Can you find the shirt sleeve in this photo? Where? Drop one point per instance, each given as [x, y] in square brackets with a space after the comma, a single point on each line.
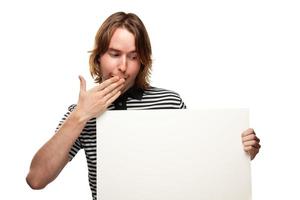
[77, 144]
[182, 104]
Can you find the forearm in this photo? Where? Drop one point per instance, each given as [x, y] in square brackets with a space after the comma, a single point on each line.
[53, 156]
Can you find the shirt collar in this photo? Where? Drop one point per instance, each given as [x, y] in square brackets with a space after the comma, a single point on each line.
[134, 92]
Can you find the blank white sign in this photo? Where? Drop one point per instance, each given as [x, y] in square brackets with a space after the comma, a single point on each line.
[172, 155]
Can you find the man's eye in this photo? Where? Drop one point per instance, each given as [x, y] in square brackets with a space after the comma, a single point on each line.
[113, 54]
[132, 57]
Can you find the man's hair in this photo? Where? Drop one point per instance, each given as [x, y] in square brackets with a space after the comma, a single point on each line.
[134, 25]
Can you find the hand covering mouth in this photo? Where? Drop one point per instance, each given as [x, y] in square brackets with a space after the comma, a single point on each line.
[120, 76]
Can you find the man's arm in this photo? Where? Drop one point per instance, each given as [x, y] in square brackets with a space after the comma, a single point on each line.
[54, 155]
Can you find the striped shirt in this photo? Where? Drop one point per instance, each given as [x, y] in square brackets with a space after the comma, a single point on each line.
[133, 99]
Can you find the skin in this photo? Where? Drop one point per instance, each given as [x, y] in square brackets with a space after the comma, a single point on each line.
[250, 142]
[120, 66]
[121, 58]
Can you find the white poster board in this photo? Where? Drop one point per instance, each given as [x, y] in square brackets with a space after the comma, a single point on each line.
[172, 155]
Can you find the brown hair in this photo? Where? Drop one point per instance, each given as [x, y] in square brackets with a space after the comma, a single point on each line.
[133, 24]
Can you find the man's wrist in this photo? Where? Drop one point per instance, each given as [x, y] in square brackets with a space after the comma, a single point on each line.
[77, 117]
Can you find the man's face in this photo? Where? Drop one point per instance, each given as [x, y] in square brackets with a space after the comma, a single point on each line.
[121, 58]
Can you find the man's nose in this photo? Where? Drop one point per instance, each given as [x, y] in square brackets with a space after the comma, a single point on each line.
[123, 64]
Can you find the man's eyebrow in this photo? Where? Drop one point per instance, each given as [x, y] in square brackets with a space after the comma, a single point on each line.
[117, 50]
[113, 49]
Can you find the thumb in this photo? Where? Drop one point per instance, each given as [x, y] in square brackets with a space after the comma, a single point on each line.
[82, 84]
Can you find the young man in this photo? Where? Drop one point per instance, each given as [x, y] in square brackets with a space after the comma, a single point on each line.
[120, 63]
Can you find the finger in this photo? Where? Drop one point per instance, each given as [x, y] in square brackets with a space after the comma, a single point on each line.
[248, 132]
[107, 82]
[256, 145]
[257, 139]
[250, 137]
[82, 84]
[250, 143]
[251, 149]
[113, 92]
[248, 147]
[111, 87]
[113, 98]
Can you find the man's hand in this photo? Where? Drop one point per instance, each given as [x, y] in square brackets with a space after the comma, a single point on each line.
[251, 142]
[93, 102]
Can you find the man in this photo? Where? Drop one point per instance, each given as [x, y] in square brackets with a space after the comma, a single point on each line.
[120, 63]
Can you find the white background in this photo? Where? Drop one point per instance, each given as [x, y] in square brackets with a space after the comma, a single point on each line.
[213, 53]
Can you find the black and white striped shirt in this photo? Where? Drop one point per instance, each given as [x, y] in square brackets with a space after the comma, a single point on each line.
[133, 99]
